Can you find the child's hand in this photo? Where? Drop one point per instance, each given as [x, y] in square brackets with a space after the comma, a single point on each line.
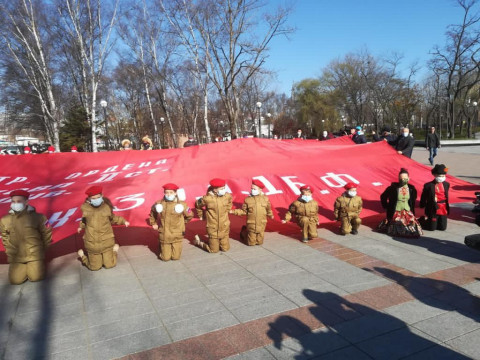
[155, 227]
[284, 221]
[79, 230]
[127, 224]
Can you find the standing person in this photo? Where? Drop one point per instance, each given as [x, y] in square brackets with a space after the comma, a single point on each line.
[147, 143]
[435, 200]
[305, 210]
[97, 221]
[299, 135]
[169, 216]
[257, 208]
[217, 204]
[26, 236]
[432, 143]
[405, 143]
[399, 201]
[347, 209]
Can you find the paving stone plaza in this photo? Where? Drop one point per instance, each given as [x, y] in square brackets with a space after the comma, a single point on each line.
[367, 296]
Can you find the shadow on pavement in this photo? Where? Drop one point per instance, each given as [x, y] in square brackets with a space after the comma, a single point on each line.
[373, 334]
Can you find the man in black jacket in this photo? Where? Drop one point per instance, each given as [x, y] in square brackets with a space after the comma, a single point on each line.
[405, 143]
[432, 143]
[435, 200]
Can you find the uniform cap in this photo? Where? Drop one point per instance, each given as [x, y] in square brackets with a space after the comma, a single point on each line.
[94, 190]
[23, 193]
[258, 183]
[358, 128]
[439, 169]
[349, 186]
[170, 186]
[216, 183]
[306, 187]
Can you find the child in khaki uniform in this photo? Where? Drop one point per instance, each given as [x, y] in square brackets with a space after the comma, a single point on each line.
[169, 217]
[99, 240]
[305, 210]
[347, 209]
[257, 208]
[25, 235]
[217, 204]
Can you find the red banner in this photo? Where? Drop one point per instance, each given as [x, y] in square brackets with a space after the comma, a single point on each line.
[133, 180]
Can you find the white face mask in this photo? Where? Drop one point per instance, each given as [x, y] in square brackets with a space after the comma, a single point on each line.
[325, 134]
[405, 134]
[169, 197]
[306, 198]
[17, 207]
[255, 192]
[352, 193]
[440, 179]
[221, 192]
[96, 202]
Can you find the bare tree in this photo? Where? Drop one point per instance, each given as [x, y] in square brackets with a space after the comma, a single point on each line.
[24, 35]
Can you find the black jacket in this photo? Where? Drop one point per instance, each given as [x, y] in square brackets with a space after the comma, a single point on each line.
[390, 196]
[391, 139]
[405, 145]
[432, 140]
[360, 139]
[427, 200]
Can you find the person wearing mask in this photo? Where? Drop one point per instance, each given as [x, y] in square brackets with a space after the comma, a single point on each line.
[432, 143]
[326, 136]
[300, 135]
[399, 201]
[99, 240]
[216, 204]
[168, 216]
[126, 145]
[405, 143]
[305, 210]
[26, 235]
[347, 210]
[434, 200]
[257, 208]
[359, 136]
[147, 143]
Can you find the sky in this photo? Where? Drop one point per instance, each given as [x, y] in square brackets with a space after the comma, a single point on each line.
[330, 29]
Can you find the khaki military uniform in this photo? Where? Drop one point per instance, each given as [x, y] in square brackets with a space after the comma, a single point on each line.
[257, 208]
[218, 222]
[171, 227]
[25, 236]
[306, 214]
[99, 238]
[347, 210]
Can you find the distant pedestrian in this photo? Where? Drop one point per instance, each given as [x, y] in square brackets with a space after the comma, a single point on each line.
[435, 200]
[432, 143]
[405, 143]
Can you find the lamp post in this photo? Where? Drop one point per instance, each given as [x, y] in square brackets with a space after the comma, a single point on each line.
[259, 105]
[162, 121]
[104, 104]
[269, 116]
[323, 125]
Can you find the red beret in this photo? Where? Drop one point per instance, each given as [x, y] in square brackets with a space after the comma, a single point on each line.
[23, 193]
[26, 148]
[350, 185]
[217, 183]
[170, 186]
[74, 147]
[258, 183]
[306, 187]
[94, 190]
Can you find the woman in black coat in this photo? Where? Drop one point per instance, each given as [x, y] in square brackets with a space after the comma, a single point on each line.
[399, 201]
[435, 200]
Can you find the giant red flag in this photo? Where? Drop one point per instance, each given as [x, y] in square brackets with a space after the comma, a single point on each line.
[133, 180]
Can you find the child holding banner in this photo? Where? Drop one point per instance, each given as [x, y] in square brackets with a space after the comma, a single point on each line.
[217, 204]
[25, 235]
[169, 216]
[305, 210]
[257, 208]
[99, 240]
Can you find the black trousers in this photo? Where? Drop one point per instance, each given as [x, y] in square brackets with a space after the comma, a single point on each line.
[438, 222]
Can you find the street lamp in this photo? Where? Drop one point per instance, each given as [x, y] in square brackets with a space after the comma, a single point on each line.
[259, 105]
[269, 122]
[103, 104]
[162, 121]
[323, 125]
